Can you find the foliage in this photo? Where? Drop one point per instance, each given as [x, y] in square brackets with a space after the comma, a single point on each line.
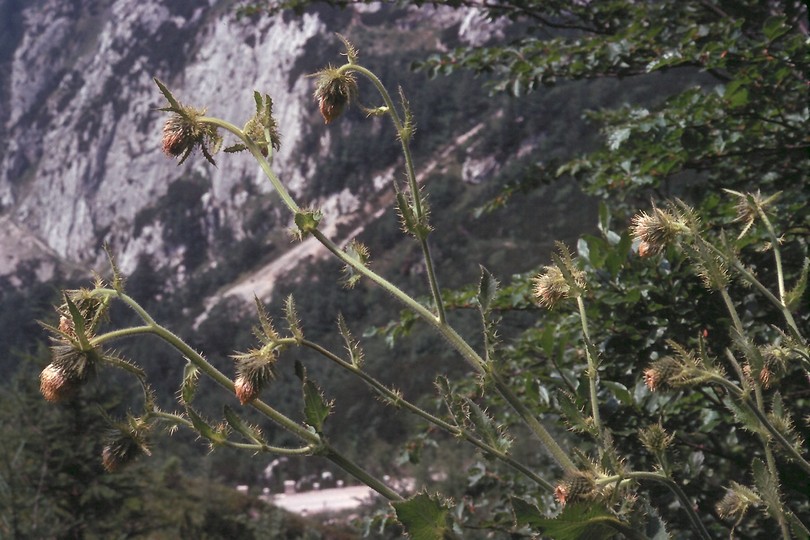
[674, 350]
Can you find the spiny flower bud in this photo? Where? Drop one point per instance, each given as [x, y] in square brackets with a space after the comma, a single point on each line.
[736, 502]
[125, 444]
[254, 369]
[655, 231]
[335, 89]
[655, 438]
[575, 487]
[663, 373]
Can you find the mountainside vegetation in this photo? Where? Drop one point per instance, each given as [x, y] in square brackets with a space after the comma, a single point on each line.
[646, 377]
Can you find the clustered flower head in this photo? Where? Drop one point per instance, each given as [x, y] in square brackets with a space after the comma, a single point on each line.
[750, 207]
[656, 230]
[335, 89]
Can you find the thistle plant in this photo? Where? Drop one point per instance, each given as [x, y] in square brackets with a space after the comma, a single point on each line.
[596, 490]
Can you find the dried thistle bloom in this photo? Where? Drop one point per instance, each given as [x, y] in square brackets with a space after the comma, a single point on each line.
[736, 502]
[245, 390]
[663, 373]
[334, 91]
[749, 207]
[575, 487]
[656, 230]
[53, 384]
[551, 287]
[184, 131]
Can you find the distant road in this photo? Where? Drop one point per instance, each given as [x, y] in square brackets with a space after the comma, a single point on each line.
[324, 500]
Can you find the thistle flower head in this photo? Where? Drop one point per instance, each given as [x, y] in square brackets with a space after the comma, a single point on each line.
[736, 502]
[53, 384]
[335, 89]
[655, 438]
[184, 131]
[125, 443]
[663, 373]
[254, 369]
[656, 230]
[550, 287]
[575, 487]
[750, 207]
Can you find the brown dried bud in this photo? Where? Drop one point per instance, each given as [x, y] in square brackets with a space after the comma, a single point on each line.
[125, 445]
[245, 390]
[54, 384]
[335, 90]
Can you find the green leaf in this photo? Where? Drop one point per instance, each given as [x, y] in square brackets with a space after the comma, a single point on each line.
[767, 488]
[486, 289]
[78, 324]
[167, 94]
[191, 375]
[249, 432]
[424, 517]
[526, 514]
[580, 521]
[316, 407]
[620, 391]
[774, 27]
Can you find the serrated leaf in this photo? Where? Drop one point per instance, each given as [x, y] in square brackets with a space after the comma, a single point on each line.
[486, 427]
[249, 432]
[794, 296]
[424, 517]
[352, 345]
[767, 488]
[78, 324]
[235, 148]
[167, 94]
[580, 522]
[486, 289]
[257, 97]
[526, 514]
[203, 428]
[189, 387]
[316, 408]
[572, 412]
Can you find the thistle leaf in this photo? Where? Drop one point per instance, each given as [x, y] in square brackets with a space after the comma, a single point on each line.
[425, 517]
[487, 288]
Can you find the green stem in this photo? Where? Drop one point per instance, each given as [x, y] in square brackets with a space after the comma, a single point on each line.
[780, 276]
[593, 374]
[398, 401]
[257, 154]
[673, 486]
[316, 442]
[751, 278]
[743, 397]
[460, 345]
[760, 405]
[412, 183]
[349, 466]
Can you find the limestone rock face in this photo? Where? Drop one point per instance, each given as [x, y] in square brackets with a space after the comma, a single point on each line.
[81, 164]
[81, 157]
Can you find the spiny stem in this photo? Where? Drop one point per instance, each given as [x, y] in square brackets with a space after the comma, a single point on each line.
[593, 374]
[760, 405]
[463, 348]
[412, 183]
[673, 486]
[317, 444]
[257, 154]
[453, 430]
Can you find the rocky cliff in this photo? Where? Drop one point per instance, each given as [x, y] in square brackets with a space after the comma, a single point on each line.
[80, 158]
